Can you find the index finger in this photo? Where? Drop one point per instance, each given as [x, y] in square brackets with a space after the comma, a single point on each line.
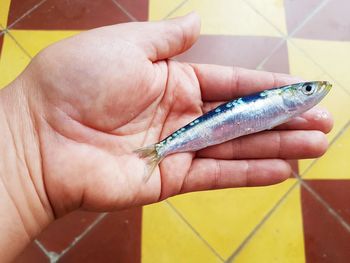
[225, 83]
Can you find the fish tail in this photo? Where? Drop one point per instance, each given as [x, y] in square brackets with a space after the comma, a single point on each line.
[152, 158]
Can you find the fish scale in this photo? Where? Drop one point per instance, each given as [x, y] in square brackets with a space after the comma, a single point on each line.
[250, 114]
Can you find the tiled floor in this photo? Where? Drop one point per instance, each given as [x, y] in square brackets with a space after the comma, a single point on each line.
[296, 221]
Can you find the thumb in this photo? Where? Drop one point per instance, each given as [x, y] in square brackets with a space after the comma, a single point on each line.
[168, 38]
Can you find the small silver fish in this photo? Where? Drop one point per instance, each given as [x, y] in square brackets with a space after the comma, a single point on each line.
[239, 117]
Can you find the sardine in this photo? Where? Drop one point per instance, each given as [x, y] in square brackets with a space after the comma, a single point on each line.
[251, 114]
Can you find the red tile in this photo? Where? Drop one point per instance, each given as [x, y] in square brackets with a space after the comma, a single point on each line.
[332, 22]
[32, 254]
[326, 240]
[137, 8]
[71, 15]
[298, 11]
[1, 41]
[62, 232]
[243, 51]
[117, 238]
[19, 8]
[336, 193]
[295, 167]
[278, 61]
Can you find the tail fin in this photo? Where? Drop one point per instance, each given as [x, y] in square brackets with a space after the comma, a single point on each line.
[150, 155]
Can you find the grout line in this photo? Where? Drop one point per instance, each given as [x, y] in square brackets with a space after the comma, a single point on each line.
[78, 238]
[27, 13]
[261, 223]
[52, 256]
[279, 44]
[2, 30]
[121, 7]
[194, 230]
[42, 247]
[18, 44]
[309, 17]
[175, 9]
[269, 56]
[263, 17]
[318, 65]
[286, 37]
[329, 208]
[336, 137]
[176, 211]
[278, 203]
[318, 196]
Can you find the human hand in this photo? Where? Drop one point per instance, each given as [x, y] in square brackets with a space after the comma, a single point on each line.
[96, 97]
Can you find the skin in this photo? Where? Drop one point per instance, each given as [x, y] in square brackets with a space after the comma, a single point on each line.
[71, 120]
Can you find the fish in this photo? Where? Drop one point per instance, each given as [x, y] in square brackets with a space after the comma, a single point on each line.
[239, 117]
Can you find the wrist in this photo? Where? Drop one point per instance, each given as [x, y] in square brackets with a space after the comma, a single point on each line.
[25, 208]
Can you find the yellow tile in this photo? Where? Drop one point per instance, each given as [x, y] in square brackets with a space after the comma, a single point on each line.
[300, 65]
[167, 238]
[13, 61]
[4, 10]
[35, 40]
[227, 17]
[159, 9]
[333, 56]
[337, 101]
[224, 218]
[335, 163]
[273, 10]
[304, 165]
[280, 239]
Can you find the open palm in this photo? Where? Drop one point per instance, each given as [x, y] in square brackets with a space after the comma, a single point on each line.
[106, 92]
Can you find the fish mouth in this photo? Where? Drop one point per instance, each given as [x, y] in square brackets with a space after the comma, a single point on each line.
[325, 85]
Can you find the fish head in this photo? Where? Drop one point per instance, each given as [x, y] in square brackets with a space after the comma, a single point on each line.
[302, 96]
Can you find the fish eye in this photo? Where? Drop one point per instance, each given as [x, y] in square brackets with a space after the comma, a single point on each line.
[308, 89]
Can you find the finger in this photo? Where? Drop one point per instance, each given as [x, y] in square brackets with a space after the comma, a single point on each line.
[225, 83]
[315, 119]
[208, 174]
[270, 144]
[168, 38]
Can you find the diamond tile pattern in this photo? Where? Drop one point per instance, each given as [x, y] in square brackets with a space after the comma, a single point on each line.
[282, 223]
[166, 237]
[221, 227]
[335, 163]
[280, 238]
